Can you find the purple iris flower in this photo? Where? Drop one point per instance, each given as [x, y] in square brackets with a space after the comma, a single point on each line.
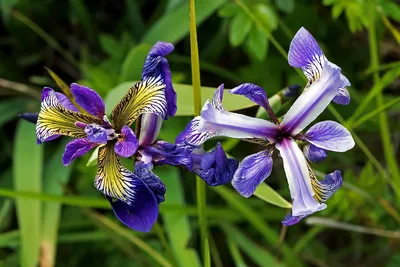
[134, 196]
[308, 193]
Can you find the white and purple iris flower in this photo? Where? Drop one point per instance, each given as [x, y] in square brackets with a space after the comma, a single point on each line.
[134, 196]
[326, 83]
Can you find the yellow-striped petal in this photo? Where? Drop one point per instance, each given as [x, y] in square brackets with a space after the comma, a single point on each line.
[147, 96]
[54, 119]
[113, 179]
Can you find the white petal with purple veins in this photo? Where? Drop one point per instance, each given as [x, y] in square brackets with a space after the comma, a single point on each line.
[330, 135]
[298, 177]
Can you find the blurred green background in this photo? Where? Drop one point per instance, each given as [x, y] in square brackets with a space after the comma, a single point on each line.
[51, 215]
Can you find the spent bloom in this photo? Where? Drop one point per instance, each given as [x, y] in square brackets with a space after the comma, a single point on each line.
[134, 196]
[326, 83]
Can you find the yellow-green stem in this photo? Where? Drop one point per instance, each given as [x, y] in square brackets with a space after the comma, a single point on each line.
[383, 120]
[200, 185]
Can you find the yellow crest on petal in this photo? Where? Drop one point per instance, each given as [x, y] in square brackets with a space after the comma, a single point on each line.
[147, 96]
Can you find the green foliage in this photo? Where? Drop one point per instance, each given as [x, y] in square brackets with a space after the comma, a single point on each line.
[52, 213]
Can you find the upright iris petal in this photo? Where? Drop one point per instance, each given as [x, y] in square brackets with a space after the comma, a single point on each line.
[149, 129]
[89, 100]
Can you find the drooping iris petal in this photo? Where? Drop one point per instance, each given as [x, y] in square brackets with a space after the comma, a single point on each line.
[76, 148]
[305, 53]
[298, 176]
[342, 97]
[164, 153]
[54, 119]
[127, 144]
[65, 102]
[151, 180]
[330, 135]
[191, 133]
[314, 154]
[149, 128]
[252, 171]
[156, 64]
[146, 96]
[253, 92]
[290, 220]
[89, 100]
[215, 168]
[113, 179]
[224, 123]
[313, 101]
[96, 133]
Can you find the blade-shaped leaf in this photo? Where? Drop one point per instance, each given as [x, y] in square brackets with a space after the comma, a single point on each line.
[132, 67]
[27, 171]
[266, 193]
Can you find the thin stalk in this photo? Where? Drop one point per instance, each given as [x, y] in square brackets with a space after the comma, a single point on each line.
[200, 185]
[383, 119]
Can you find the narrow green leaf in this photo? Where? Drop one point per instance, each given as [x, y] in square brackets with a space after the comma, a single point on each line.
[132, 67]
[240, 27]
[176, 222]
[266, 193]
[207, 257]
[253, 251]
[173, 28]
[185, 98]
[93, 158]
[55, 179]
[237, 257]
[285, 5]
[27, 171]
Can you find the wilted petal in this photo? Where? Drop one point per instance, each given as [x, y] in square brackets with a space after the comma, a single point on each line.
[313, 100]
[65, 102]
[314, 154]
[252, 171]
[215, 168]
[149, 129]
[330, 135]
[151, 180]
[127, 143]
[298, 176]
[113, 179]
[76, 148]
[342, 97]
[54, 119]
[224, 123]
[157, 65]
[89, 100]
[147, 96]
[305, 53]
[253, 92]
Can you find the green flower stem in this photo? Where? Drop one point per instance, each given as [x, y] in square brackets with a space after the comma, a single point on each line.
[383, 119]
[200, 185]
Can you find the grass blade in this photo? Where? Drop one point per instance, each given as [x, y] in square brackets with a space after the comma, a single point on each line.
[266, 193]
[27, 171]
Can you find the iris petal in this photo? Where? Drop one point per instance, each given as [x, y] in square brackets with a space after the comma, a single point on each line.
[65, 102]
[54, 119]
[342, 97]
[113, 179]
[313, 101]
[253, 92]
[89, 100]
[330, 135]
[149, 129]
[127, 144]
[224, 123]
[298, 176]
[76, 148]
[314, 154]
[147, 96]
[252, 171]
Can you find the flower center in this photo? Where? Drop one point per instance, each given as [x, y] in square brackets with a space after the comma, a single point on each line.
[99, 134]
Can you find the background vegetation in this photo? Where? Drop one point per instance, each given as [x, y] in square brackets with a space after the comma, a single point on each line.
[53, 215]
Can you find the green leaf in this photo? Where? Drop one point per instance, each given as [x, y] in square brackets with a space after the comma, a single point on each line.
[132, 67]
[109, 44]
[56, 177]
[84, 16]
[61, 84]
[10, 108]
[266, 193]
[391, 9]
[285, 5]
[176, 222]
[207, 257]
[228, 10]
[27, 170]
[260, 256]
[240, 27]
[257, 44]
[266, 15]
[93, 158]
[175, 26]
[185, 98]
